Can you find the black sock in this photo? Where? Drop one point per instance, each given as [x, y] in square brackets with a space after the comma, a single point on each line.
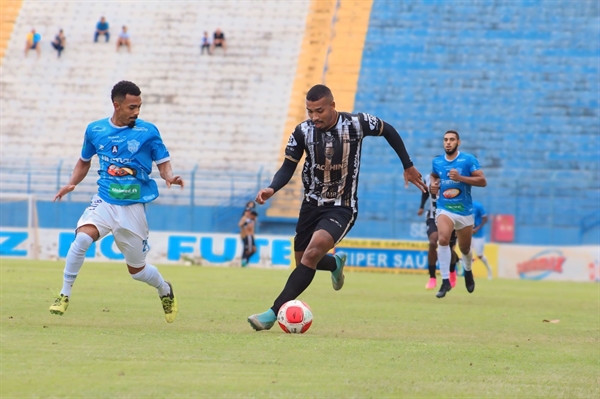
[298, 281]
[453, 261]
[431, 271]
[327, 263]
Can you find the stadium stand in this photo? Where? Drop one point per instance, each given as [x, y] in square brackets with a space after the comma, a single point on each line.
[518, 80]
[221, 113]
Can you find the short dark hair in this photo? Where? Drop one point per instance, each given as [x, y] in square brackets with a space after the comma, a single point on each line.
[122, 89]
[453, 132]
[254, 213]
[318, 92]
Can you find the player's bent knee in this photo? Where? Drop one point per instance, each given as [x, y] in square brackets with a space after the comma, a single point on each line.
[135, 269]
[311, 256]
[81, 243]
[443, 241]
[90, 230]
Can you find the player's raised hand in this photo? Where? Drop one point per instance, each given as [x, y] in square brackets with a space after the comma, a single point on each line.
[175, 180]
[264, 194]
[64, 191]
[414, 176]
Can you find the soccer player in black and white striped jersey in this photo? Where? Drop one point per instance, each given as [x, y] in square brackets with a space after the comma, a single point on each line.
[332, 143]
[432, 236]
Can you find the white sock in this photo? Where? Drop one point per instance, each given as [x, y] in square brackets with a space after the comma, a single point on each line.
[151, 276]
[468, 260]
[75, 258]
[444, 256]
[487, 265]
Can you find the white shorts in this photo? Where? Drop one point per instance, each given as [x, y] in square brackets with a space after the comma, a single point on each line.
[460, 221]
[477, 243]
[127, 223]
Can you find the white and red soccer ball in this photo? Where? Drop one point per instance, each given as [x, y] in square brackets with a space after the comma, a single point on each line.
[294, 317]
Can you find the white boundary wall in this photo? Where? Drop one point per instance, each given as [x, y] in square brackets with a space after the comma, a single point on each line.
[574, 263]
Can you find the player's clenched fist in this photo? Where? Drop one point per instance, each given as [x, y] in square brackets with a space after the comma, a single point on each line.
[454, 175]
[264, 194]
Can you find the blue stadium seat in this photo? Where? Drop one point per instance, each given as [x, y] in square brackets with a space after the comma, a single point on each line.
[518, 80]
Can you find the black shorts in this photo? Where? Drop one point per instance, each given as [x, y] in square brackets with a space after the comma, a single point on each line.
[336, 220]
[248, 242]
[432, 228]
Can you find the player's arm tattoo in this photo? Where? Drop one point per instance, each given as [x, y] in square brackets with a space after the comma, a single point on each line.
[395, 141]
[283, 175]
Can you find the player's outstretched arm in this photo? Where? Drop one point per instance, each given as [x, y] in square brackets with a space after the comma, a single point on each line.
[79, 173]
[281, 178]
[166, 172]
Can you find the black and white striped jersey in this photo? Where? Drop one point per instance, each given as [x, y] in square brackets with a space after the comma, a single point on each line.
[330, 172]
[432, 198]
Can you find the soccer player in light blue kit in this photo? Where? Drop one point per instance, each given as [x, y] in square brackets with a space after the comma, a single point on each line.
[452, 176]
[126, 147]
[478, 241]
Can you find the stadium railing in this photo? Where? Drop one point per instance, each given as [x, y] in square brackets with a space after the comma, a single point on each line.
[203, 187]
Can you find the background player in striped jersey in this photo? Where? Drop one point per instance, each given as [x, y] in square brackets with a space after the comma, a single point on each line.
[478, 240]
[247, 225]
[332, 143]
[452, 176]
[432, 236]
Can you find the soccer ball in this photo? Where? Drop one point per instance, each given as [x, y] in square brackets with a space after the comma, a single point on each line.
[294, 317]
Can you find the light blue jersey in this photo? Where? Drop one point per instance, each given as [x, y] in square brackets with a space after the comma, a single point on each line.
[126, 155]
[455, 196]
[478, 214]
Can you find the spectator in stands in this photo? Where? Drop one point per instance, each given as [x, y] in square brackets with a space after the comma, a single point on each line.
[205, 44]
[59, 42]
[32, 42]
[219, 41]
[124, 39]
[102, 29]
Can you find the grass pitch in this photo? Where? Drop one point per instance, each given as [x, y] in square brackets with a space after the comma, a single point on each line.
[381, 336]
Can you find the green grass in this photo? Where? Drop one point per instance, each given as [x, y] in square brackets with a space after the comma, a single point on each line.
[381, 336]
